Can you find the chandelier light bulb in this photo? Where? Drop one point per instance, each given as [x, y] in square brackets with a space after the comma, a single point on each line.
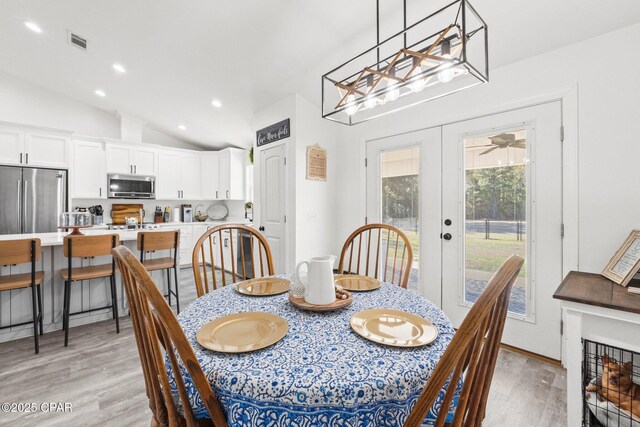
[352, 106]
[447, 74]
[417, 84]
[370, 100]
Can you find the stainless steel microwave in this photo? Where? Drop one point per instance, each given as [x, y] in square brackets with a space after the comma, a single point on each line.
[131, 186]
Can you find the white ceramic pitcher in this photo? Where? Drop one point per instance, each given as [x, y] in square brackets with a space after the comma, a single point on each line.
[318, 285]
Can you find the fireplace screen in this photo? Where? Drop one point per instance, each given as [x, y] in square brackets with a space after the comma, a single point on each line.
[611, 390]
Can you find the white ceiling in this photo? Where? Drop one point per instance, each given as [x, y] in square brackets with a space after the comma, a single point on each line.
[180, 55]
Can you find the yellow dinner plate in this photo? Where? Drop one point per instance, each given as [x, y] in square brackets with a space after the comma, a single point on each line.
[352, 282]
[393, 327]
[265, 286]
[242, 332]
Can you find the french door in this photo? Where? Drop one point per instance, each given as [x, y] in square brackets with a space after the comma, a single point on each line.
[488, 188]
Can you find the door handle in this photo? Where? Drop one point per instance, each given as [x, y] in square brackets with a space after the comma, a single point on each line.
[447, 221]
[135, 168]
[226, 243]
[216, 194]
[227, 194]
[100, 191]
[26, 157]
[24, 203]
[18, 204]
[20, 158]
[446, 236]
[178, 194]
[261, 228]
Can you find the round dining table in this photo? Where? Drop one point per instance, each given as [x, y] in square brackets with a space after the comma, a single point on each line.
[322, 372]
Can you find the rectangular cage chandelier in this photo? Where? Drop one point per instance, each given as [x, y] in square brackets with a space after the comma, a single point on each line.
[443, 53]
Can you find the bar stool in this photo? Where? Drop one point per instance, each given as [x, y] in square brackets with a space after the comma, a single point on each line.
[88, 247]
[21, 252]
[157, 241]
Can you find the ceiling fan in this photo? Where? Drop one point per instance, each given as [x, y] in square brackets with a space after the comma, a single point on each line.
[504, 140]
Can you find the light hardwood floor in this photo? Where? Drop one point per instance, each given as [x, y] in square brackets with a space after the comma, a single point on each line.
[100, 375]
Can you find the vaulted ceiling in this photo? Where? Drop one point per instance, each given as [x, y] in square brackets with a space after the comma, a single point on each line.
[180, 55]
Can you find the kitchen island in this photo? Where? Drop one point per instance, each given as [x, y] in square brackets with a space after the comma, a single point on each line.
[15, 305]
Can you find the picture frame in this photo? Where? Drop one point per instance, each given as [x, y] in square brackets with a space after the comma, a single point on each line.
[625, 263]
[316, 163]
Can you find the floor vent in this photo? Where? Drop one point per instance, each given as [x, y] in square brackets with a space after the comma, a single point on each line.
[77, 41]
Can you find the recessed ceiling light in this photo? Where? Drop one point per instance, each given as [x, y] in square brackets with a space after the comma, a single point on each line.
[216, 103]
[32, 26]
[182, 127]
[100, 93]
[119, 68]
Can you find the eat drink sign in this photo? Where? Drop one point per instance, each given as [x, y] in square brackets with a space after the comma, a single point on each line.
[273, 133]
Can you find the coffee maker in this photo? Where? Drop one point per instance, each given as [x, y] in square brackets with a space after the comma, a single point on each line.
[186, 213]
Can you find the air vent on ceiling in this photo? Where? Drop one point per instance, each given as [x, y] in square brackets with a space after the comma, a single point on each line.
[77, 41]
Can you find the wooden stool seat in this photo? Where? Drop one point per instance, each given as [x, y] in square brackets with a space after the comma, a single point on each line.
[19, 281]
[88, 247]
[86, 273]
[158, 263]
[151, 241]
[14, 252]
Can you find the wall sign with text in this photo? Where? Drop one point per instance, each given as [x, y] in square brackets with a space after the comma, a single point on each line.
[273, 133]
[316, 163]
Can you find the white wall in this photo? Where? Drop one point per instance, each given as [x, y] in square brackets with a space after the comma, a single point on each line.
[609, 125]
[311, 213]
[25, 103]
[315, 200]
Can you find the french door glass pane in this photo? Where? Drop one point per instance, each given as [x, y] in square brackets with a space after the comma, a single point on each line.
[400, 201]
[495, 211]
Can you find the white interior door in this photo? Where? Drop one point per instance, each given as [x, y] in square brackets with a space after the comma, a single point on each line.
[273, 202]
[403, 190]
[502, 192]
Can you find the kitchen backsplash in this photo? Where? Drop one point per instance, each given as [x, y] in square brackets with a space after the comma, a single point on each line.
[235, 207]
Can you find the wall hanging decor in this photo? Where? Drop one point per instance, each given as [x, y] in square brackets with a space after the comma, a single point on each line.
[316, 163]
[440, 54]
[625, 263]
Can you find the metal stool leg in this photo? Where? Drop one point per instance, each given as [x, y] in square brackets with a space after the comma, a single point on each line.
[40, 314]
[34, 304]
[175, 275]
[169, 286]
[67, 303]
[114, 301]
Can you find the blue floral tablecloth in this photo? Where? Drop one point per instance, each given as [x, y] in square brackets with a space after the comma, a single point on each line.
[321, 373]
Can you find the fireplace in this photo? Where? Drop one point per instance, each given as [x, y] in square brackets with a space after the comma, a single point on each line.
[606, 411]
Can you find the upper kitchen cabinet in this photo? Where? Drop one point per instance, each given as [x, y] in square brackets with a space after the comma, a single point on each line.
[129, 159]
[21, 146]
[232, 170]
[190, 176]
[88, 175]
[210, 176]
[178, 176]
[223, 174]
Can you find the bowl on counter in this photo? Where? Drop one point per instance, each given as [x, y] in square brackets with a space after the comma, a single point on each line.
[201, 217]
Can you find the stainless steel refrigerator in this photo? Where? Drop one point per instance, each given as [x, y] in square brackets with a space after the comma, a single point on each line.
[31, 200]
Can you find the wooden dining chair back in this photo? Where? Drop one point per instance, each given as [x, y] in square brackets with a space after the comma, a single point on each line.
[230, 249]
[86, 247]
[149, 241]
[23, 251]
[160, 339]
[378, 250]
[471, 355]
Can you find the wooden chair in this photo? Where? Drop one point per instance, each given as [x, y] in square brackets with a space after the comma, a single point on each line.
[158, 241]
[88, 247]
[379, 241]
[159, 338]
[216, 250]
[472, 352]
[21, 252]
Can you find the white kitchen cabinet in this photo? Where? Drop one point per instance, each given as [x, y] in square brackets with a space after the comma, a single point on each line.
[11, 146]
[210, 180]
[190, 176]
[33, 148]
[229, 250]
[129, 159]
[88, 174]
[144, 161]
[223, 175]
[46, 150]
[186, 244]
[168, 180]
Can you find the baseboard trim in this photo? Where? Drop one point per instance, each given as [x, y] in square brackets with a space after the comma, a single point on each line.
[532, 355]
